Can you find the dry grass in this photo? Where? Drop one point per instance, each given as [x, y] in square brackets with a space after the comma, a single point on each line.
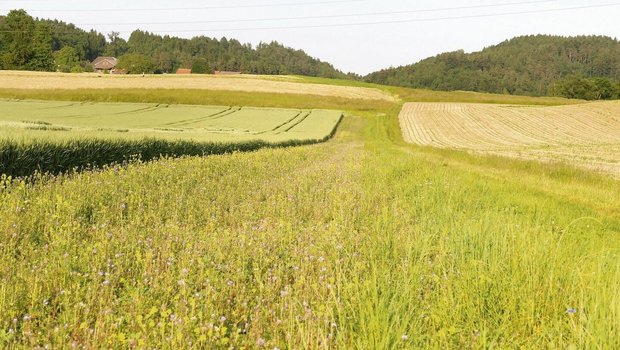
[586, 134]
[424, 95]
[248, 83]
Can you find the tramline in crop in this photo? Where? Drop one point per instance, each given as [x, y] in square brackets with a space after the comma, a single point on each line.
[57, 136]
[204, 123]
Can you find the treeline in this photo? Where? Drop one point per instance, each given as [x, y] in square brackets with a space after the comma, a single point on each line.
[27, 43]
[587, 88]
[584, 67]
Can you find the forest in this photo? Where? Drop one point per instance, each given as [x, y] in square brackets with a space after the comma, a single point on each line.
[28, 43]
[586, 67]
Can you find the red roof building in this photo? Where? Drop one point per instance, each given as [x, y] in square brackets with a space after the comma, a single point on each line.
[103, 64]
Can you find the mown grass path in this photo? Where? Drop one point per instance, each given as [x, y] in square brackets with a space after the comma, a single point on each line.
[362, 242]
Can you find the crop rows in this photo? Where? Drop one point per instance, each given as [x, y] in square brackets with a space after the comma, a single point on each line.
[140, 117]
[59, 136]
[565, 133]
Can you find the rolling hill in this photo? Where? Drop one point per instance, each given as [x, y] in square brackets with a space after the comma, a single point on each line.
[27, 43]
[528, 65]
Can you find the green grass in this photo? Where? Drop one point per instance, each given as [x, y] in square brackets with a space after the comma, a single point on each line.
[193, 122]
[425, 95]
[361, 242]
[196, 97]
[95, 134]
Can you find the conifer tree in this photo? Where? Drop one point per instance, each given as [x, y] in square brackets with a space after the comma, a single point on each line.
[42, 58]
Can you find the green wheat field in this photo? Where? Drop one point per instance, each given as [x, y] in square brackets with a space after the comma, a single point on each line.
[360, 242]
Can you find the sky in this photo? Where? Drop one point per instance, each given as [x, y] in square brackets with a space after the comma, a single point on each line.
[359, 36]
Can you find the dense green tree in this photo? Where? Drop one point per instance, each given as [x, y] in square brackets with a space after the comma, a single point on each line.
[165, 53]
[42, 58]
[17, 36]
[164, 62]
[586, 88]
[136, 63]
[228, 54]
[67, 59]
[604, 89]
[88, 44]
[2, 43]
[116, 46]
[577, 87]
[529, 65]
[201, 66]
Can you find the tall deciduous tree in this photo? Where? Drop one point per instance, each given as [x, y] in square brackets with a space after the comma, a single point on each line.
[67, 59]
[201, 66]
[17, 37]
[116, 46]
[136, 64]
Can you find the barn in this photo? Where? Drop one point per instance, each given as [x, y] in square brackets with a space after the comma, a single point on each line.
[104, 64]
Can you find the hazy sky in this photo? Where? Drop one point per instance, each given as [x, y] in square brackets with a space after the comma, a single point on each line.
[357, 35]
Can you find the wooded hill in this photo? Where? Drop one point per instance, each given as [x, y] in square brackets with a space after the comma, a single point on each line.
[528, 65]
[49, 45]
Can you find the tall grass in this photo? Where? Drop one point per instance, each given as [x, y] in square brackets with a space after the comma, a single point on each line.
[362, 242]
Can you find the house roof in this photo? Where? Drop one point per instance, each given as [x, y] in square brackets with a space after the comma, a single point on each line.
[105, 62]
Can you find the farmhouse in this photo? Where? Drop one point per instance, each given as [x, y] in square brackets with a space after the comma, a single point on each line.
[105, 64]
[184, 71]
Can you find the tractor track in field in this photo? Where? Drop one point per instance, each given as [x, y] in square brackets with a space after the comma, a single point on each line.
[283, 124]
[199, 119]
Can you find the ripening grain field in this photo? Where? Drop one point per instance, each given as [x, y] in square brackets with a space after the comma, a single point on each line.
[22, 120]
[362, 242]
[19, 80]
[57, 136]
[586, 134]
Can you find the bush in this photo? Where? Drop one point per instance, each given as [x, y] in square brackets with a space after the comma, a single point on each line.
[201, 66]
[135, 63]
[587, 88]
[66, 59]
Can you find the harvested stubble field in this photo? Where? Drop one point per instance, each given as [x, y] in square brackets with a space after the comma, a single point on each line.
[586, 134]
[250, 83]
